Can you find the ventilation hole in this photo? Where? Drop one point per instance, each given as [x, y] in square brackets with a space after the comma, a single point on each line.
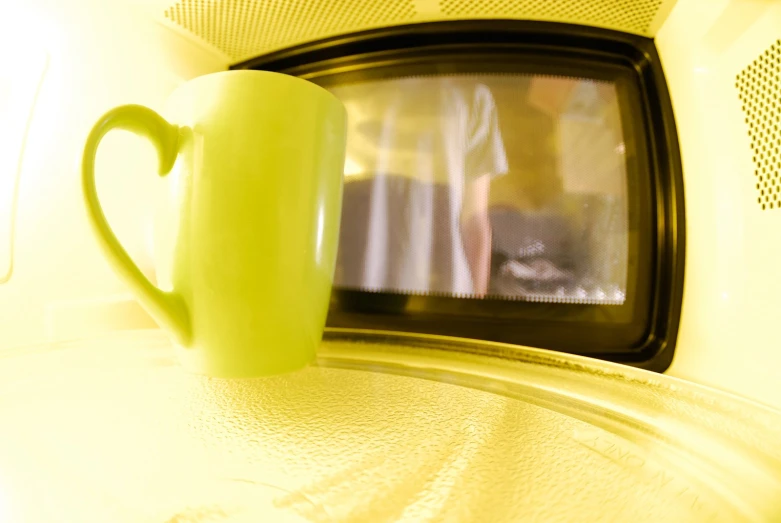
[247, 28]
[627, 15]
[760, 96]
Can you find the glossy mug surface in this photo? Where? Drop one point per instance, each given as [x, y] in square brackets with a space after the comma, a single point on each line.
[246, 243]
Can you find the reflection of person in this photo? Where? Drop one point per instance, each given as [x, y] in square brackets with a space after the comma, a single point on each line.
[476, 232]
[485, 157]
[436, 146]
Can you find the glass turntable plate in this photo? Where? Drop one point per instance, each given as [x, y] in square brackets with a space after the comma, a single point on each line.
[385, 427]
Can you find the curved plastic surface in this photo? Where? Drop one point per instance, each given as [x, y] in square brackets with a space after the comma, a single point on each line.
[384, 428]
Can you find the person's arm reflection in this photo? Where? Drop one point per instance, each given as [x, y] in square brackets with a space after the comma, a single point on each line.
[476, 232]
[485, 159]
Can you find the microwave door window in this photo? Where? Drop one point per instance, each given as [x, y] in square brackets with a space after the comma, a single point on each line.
[501, 186]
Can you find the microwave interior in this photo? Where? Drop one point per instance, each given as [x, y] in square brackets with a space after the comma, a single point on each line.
[532, 192]
[591, 179]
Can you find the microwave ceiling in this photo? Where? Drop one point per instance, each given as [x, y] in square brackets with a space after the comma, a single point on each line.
[242, 29]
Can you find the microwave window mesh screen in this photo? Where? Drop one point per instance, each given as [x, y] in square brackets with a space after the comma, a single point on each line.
[501, 186]
[244, 28]
[627, 15]
[759, 89]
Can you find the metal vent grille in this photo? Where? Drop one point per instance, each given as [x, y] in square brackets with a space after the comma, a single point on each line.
[759, 88]
[244, 29]
[626, 15]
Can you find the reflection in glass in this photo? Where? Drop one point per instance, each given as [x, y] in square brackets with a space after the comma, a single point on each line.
[506, 186]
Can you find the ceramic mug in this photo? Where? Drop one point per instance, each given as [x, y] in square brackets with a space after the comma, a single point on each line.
[246, 251]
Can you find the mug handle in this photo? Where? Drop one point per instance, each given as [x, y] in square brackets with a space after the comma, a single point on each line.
[167, 308]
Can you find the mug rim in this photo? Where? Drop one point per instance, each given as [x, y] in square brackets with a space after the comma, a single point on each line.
[253, 72]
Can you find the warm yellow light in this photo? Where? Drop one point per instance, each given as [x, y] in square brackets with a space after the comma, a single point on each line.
[5, 504]
[20, 76]
[352, 167]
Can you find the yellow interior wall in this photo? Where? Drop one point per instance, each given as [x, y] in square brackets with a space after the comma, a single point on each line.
[729, 325]
[100, 54]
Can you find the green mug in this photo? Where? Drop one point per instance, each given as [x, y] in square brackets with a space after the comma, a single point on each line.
[248, 242]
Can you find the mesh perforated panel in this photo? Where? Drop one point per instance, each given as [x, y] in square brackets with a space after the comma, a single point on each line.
[759, 89]
[247, 28]
[626, 15]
